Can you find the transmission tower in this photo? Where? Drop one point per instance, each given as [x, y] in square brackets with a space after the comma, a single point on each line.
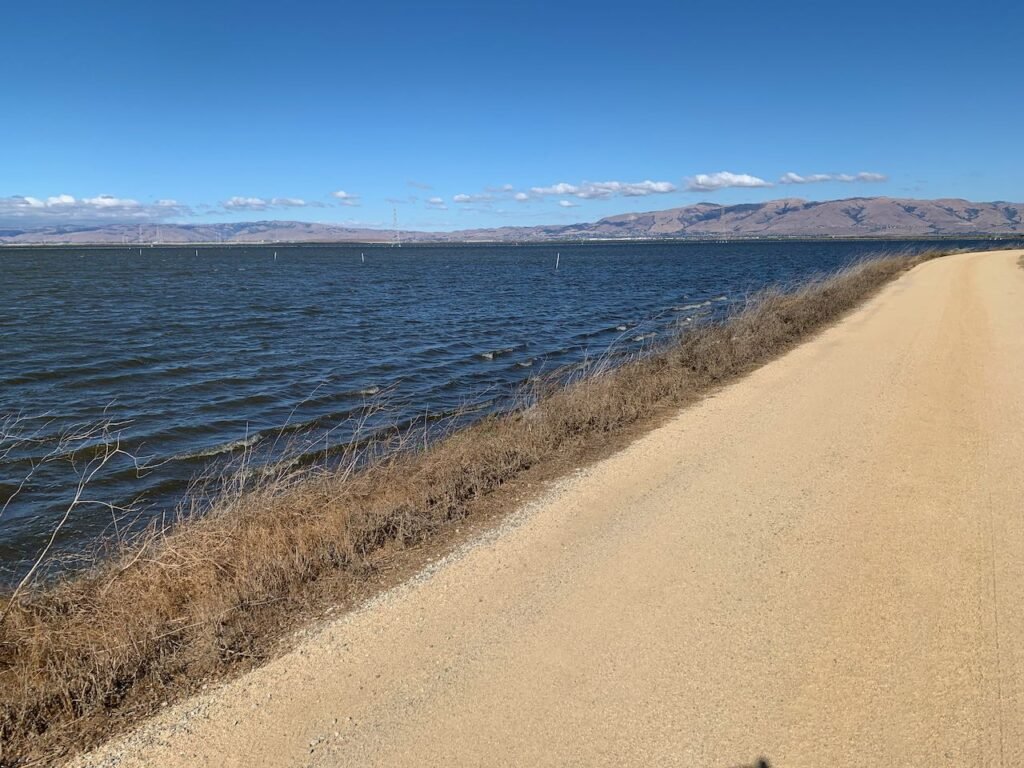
[394, 225]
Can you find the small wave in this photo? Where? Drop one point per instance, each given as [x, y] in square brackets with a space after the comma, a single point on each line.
[327, 399]
[525, 363]
[216, 382]
[620, 328]
[694, 305]
[644, 336]
[23, 378]
[245, 402]
[503, 351]
[166, 372]
[218, 450]
[104, 368]
[597, 333]
[325, 421]
[166, 486]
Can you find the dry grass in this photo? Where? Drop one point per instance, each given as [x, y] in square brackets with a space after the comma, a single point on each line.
[202, 598]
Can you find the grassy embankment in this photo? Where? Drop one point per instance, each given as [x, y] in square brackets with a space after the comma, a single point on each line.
[86, 655]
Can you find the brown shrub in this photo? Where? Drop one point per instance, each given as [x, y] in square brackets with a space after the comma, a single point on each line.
[202, 598]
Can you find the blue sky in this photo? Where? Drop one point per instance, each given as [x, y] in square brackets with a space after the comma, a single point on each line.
[482, 114]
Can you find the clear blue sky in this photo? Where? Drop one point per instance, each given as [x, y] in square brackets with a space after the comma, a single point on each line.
[243, 110]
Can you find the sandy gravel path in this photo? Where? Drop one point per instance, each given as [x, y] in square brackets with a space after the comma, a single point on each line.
[822, 565]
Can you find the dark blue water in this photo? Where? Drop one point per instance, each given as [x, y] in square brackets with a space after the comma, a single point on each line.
[198, 354]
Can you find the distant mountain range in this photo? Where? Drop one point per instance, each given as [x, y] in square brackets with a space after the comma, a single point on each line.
[853, 217]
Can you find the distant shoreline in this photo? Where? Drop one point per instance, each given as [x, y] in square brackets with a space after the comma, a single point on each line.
[880, 218]
[387, 244]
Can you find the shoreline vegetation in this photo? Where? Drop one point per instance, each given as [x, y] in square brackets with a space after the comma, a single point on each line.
[85, 655]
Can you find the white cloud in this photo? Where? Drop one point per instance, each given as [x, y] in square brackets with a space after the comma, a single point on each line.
[793, 178]
[556, 189]
[709, 182]
[589, 190]
[814, 178]
[472, 198]
[522, 197]
[345, 198]
[100, 201]
[436, 202]
[264, 204]
[568, 204]
[246, 204]
[28, 211]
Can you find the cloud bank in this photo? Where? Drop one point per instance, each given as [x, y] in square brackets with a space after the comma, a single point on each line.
[345, 198]
[263, 204]
[602, 190]
[28, 211]
[795, 178]
[484, 198]
[709, 182]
